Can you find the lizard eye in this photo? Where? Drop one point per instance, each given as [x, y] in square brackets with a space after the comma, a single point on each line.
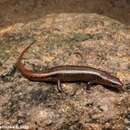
[99, 78]
[114, 85]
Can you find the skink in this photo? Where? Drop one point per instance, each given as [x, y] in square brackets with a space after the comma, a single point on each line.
[70, 73]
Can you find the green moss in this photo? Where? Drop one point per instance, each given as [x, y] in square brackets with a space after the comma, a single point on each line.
[79, 37]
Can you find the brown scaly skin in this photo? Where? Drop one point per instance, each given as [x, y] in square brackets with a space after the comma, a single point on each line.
[70, 73]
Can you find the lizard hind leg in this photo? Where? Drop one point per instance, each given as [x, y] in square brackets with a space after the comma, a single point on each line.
[59, 87]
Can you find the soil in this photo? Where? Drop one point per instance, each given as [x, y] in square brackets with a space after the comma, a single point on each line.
[77, 32]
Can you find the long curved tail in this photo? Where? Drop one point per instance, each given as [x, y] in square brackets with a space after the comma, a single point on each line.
[29, 74]
[21, 56]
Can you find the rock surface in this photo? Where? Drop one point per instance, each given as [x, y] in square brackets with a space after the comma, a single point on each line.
[65, 38]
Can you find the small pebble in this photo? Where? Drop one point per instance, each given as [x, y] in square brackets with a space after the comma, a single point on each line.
[128, 87]
[127, 128]
[128, 116]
